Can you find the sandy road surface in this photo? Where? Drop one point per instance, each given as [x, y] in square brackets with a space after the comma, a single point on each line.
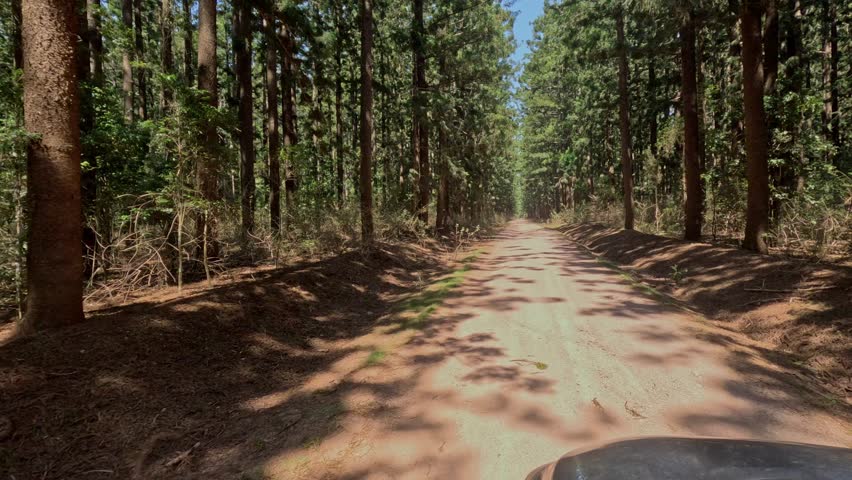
[544, 350]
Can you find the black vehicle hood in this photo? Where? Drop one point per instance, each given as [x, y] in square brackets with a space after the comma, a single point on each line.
[664, 458]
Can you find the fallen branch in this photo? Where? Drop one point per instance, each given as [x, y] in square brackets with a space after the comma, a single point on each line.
[788, 290]
[182, 456]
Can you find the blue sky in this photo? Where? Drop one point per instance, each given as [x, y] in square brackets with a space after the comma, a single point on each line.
[528, 10]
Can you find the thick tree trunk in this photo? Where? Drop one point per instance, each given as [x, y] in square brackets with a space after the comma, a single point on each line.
[52, 111]
[693, 206]
[624, 123]
[167, 58]
[242, 51]
[756, 134]
[139, 53]
[421, 127]
[96, 41]
[273, 145]
[366, 171]
[208, 165]
[126, 60]
[187, 40]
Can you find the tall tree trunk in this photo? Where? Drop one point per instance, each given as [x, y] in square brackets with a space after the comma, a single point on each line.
[384, 110]
[167, 58]
[771, 42]
[127, 59]
[797, 77]
[187, 40]
[96, 41]
[443, 206]
[208, 165]
[316, 119]
[17, 44]
[273, 149]
[366, 183]
[653, 128]
[624, 123]
[288, 107]
[693, 206]
[52, 111]
[140, 57]
[242, 51]
[653, 133]
[756, 134]
[421, 127]
[338, 111]
[831, 62]
[88, 184]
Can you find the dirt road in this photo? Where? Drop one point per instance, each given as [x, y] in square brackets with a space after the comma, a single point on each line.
[543, 350]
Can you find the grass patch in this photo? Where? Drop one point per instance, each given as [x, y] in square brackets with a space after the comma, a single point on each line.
[415, 311]
[636, 282]
[375, 357]
[541, 365]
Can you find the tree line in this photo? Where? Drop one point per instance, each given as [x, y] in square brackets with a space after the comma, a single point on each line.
[722, 113]
[158, 139]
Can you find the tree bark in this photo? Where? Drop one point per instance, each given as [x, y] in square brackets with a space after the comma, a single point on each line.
[242, 51]
[273, 145]
[338, 111]
[167, 58]
[288, 107]
[17, 44]
[443, 206]
[140, 57]
[208, 165]
[771, 41]
[52, 111]
[126, 59]
[88, 181]
[96, 41]
[421, 127]
[831, 63]
[693, 206]
[187, 40]
[624, 123]
[366, 172]
[756, 134]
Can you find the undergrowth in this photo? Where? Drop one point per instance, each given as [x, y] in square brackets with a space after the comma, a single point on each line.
[802, 228]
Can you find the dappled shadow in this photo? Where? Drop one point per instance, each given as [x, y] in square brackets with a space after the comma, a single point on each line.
[799, 305]
[763, 387]
[249, 374]
[127, 391]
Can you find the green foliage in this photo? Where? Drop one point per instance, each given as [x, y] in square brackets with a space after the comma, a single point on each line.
[569, 152]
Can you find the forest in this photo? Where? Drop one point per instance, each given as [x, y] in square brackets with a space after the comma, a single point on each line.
[214, 134]
[280, 239]
[695, 119]
[203, 135]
